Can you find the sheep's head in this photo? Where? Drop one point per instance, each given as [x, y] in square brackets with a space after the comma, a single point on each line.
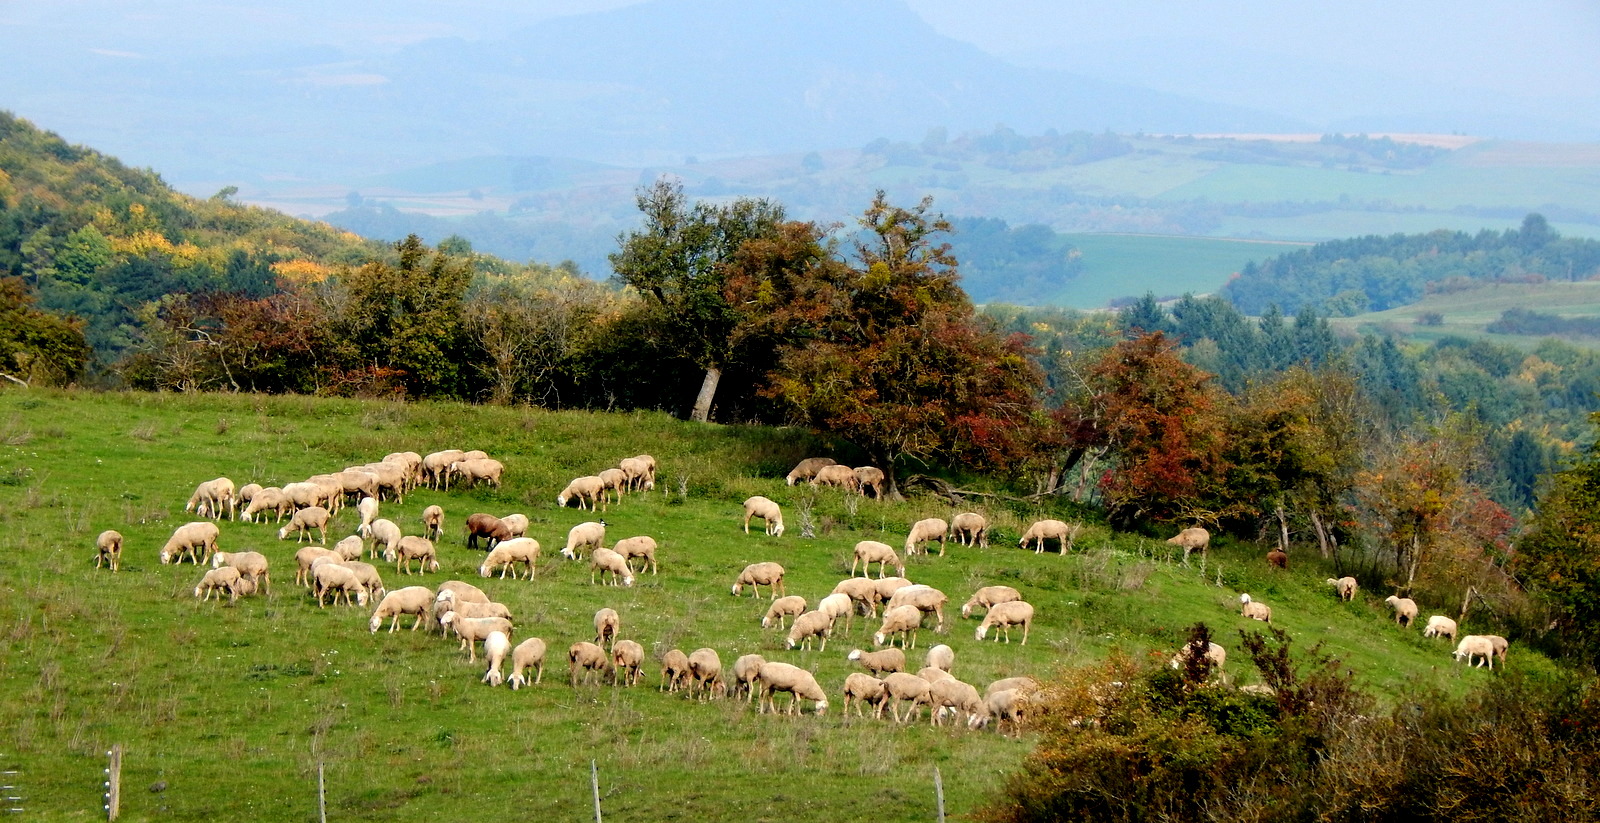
[878, 638]
[855, 654]
[374, 623]
[777, 530]
[283, 533]
[981, 632]
[822, 707]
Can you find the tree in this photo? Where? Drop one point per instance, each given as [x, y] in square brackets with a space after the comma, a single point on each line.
[35, 347]
[1558, 558]
[403, 318]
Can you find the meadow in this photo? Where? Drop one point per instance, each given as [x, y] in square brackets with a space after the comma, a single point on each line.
[1129, 265]
[227, 710]
[1467, 312]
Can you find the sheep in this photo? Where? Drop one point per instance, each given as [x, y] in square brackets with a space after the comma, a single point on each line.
[791, 606]
[468, 609]
[433, 523]
[373, 480]
[583, 489]
[745, 670]
[410, 464]
[674, 670]
[1405, 609]
[836, 606]
[871, 551]
[901, 686]
[705, 674]
[588, 657]
[415, 548]
[843, 477]
[474, 470]
[1006, 615]
[807, 469]
[350, 548]
[1278, 559]
[606, 560]
[367, 507]
[303, 521]
[333, 577]
[864, 688]
[886, 587]
[590, 533]
[487, 526]
[959, 697]
[516, 525]
[627, 656]
[807, 626]
[901, 620]
[1004, 705]
[495, 648]
[368, 575]
[940, 657]
[1253, 610]
[1021, 684]
[757, 575]
[641, 546]
[933, 674]
[769, 513]
[800, 684]
[1042, 530]
[1345, 587]
[1475, 645]
[412, 600]
[1500, 645]
[473, 629]
[926, 598]
[970, 528]
[649, 464]
[213, 497]
[1214, 653]
[612, 480]
[305, 494]
[870, 477]
[1440, 626]
[108, 549]
[607, 623]
[271, 499]
[988, 596]
[197, 540]
[305, 558]
[923, 531]
[247, 492]
[226, 578]
[363, 483]
[1191, 539]
[507, 555]
[880, 661]
[862, 591]
[385, 533]
[528, 653]
[461, 592]
[435, 466]
[640, 472]
[250, 564]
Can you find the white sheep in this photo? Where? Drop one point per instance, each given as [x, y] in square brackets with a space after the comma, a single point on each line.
[469, 609]
[871, 477]
[836, 606]
[612, 480]
[842, 477]
[367, 507]
[674, 670]
[872, 551]
[769, 513]
[528, 653]
[212, 498]
[602, 561]
[473, 471]
[923, 531]
[472, 630]
[640, 472]
[588, 657]
[108, 549]
[305, 494]
[1005, 615]
[197, 540]
[435, 466]
[247, 492]
[303, 521]
[790, 606]
[1216, 654]
[306, 558]
[1500, 645]
[495, 648]
[988, 596]
[862, 591]
[807, 469]
[926, 598]
[901, 620]
[1440, 626]
[590, 489]
[940, 657]
[1042, 530]
[745, 670]
[1345, 587]
[224, 579]
[640, 546]
[341, 581]
[433, 522]
[1021, 683]
[1007, 705]
[1254, 610]
[960, 698]
[970, 529]
[607, 624]
[516, 525]
[368, 575]
[777, 677]
[250, 564]
[909, 687]
[588, 534]
[1475, 645]
[461, 591]
[933, 674]
[757, 575]
[1191, 539]
[887, 586]
[412, 600]
[807, 626]
[505, 557]
[626, 658]
[1405, 609]
[385, 533]
[864, 688]
[271, 499]
[705, 674]
[880, 661]
[350, 548]
[415, 548]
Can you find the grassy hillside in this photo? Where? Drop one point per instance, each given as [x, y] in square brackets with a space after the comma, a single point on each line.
[231, 707]
[1466, 313]
[1124, 265]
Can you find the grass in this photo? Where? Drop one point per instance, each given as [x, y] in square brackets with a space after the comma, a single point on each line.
[1124, 265]
[232, 707]
[1467, 313]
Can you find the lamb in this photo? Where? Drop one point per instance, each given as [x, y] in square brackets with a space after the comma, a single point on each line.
[303, 521]
[808, 626]
[516, 525]
[880, 661]
[1345, 587]
[212, 498]
[250, 564]
[836, 606]
[412, 600]
[1278, 559]
[800, 684]
[864, 688]
[807, 469]
[988, 596]
[271, 499]
[1006, 615]
[1007, 705]
[757, 575]
[641, 546]
[197, 540]
[433, 523]
[367, 507]
[940, 657]
[368, 575]
[415, 548]
[674, 670]
[581, 489]
[627, 656]
[843, 477]
[791, 606]
[1214, 653]
[607, 623]
[606, 560]
[1254, 610]
[588, 657]
[224, 579]
[385, 533]
[925, 530]
[970, 528]
[108, 549]
[640, 472]
[1440, 626]
[1191, 539]
[901, 686]
[350, 548]
[306, 558]
[341, 581]
[871, 551]
[528, 653]
[1042, 530]
[705, 674]
[436, 465]
[768, 511]
[862, 591]
[745, 670]
[612, 480]
[591, 533]
[901, 620]
[926, 598]
[474, 471]
[507, 555]
[871, 477]
[473, 629]
[486, 526]
[1405, 609]
[950, 693]
[495, 648]
[1474, 645]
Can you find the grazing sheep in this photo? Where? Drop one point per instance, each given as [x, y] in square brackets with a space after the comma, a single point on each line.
[970, 528]
[923, 531]
[469, 609]
[410, 464]
[516, 525]
[871, 477]
[1007, 705]
[1405, 609]
[212, 498]
[807, 469]
[862, 591]
[933, 674]
[472, 630]
[1042, 530]
[745, 670]
[640, 472]
[341, 581]
[303, 521]
[808, 626]
[108, 549]
[507, 555]
[800, 684]
[415, 548]
[590, 533]
[436, 465]
[1345, 587]
[940, 657]
[886, 587]
[674, 670]
[433, 523]
[605, 560]
[1440, 626]
[306, 558]
[880, 661]
[271, 499]
[705, 674]
[367, 507]
[197, 540]
[626, 657]
[988, 596]
[247, 492]
[901, 686]
[1475, 645]
[1277, 559]
[1500, 645]
[641, 546]
[871, 551]
[350, 548]
[588, 489]
[843, 477]
[612, 480]
[768, 511]
[528, 653]
[1021, 684]
[471, 472]
[960, 698]
[462, 592]
[487, 526]
[836, 606]
[361, 483]
[926, 598]
[864, 688]
[791, 606]
[384, 533]
[250, 564]
[588, 657]
[757, 575]
[224, 579]
[1214, 653]
[1006, 615]
[374, 479]
[412, 600]
[607, 624]
[368, 575]
[901, 620]
[305, 494]
[495, 648]
[1191, 539]
[1254, 610]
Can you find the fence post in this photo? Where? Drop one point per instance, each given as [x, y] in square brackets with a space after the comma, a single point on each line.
[114, 782]
[322, 796]
[938, 791]
[594, 783]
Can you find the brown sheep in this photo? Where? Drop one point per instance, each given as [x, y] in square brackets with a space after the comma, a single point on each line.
[487, 526]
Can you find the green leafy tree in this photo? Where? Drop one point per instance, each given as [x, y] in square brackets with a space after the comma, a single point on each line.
[1558, 558]
[403, 319]
[37, 348]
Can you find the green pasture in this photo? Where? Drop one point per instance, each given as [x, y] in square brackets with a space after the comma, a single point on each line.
[1123, 265]
[226, 711]
[1467, 313]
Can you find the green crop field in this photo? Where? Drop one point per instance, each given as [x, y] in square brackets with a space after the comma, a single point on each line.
[1128, 265]
[1467, 313]
[225, 711]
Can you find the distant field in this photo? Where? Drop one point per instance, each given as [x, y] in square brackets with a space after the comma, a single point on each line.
[1121, 265]
[1467, 313]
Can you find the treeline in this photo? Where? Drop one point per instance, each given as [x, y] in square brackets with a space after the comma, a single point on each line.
[1540, 324]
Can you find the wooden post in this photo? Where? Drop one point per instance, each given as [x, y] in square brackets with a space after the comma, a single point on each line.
[322, 796]
[938, 792]
[594, 783]
[114, 782]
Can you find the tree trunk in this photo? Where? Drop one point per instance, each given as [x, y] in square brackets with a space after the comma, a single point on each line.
[1283, 530]
[708, 392]
[1322, 534]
